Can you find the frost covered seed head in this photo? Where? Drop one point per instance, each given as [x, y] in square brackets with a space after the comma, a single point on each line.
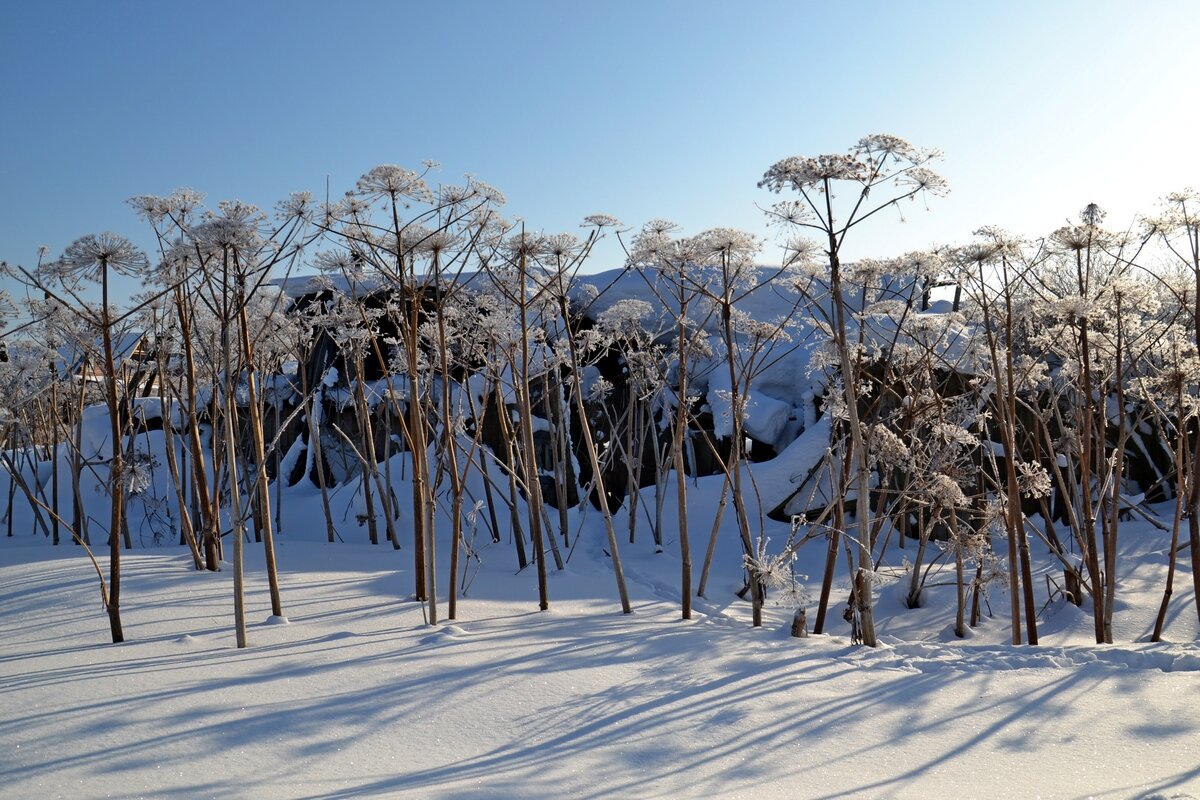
[1032, 479]
[235, 227]
[90, 255]
[800, 173]
[787, 213]
[944, 492]
[887, 448]
[1075, 238]
[922, 179]
[600, 389]
[600, 221]
[398, 183]
[297, 204]
[561, 246]
[887, 145]
[625, 315]
[1092, 215]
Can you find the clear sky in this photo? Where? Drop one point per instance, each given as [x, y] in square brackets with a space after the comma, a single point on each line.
[637, 109]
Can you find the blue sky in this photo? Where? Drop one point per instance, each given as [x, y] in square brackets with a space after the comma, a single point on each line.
[636, 109]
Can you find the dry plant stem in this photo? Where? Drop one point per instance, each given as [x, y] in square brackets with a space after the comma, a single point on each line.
[369, 503]
[456, 485]
[370, 464]
[473, 458]
[1193, 484]
[1112, 519]
[552, 540]
[430, 558]
[733, 473]
[533, 486]
[116, 481]
[1053, 542]
[489, 500]
[366, 461]
[1016, 517]
[393, 408]
[393, 501]
[79, 530]
[278, 459]
[237, 518]
[507, 435]
[562, 434]
[718, 517]
[976, 587]
[10, 445]
[365, 480]
[589, 446]
[239, 528]
[209, 518]
[602, 499]
[260, 460]
[1063, 485]
[1092, 457]
[217, 444]
[662, 473]
[450, 448]
[1089, 458]
[682, 293]
[185, 518]
[913, 600]
[835, 536]
[681, 429]
[456, 499]
[314, 402]
[1181, 456]
[129, 442]
[417, 447]
[1013, 510]
[959, 580]
[632, 464]
[862, 579]
[17, 480]
[54, 438]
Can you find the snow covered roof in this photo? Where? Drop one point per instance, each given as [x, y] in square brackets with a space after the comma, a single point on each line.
[72, 355]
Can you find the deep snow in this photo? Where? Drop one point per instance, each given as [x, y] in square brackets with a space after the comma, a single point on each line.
[357, 697]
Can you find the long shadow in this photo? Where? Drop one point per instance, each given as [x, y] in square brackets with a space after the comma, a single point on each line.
[729, 688]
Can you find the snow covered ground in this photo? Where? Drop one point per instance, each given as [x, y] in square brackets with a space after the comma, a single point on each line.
[355, 696]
